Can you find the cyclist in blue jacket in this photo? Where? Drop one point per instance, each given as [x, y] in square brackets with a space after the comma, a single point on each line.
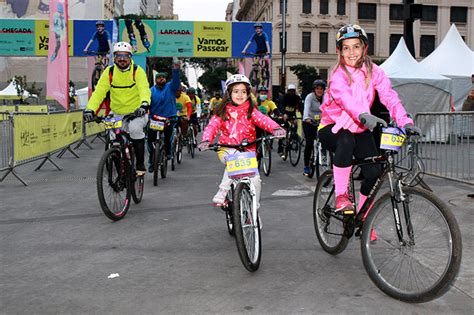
[163, 104]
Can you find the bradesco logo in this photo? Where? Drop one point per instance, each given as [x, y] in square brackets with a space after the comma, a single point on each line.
[16, 30]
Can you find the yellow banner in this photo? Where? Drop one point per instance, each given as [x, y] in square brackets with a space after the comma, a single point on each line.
[42, 37]
[213, 39]
[93, 128]
[7, 108]
[32, 108]
[36, 135]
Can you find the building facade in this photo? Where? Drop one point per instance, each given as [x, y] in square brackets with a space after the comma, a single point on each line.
[311, 26]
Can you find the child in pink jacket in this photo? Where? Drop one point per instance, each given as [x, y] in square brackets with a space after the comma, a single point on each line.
[236, 118]
[346, 122]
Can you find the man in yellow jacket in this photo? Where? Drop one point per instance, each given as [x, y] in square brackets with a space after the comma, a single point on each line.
[129, 93]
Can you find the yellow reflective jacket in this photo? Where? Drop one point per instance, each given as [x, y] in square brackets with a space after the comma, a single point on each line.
[126, 94]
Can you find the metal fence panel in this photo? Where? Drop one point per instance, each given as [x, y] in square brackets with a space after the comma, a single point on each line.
[6, 141]
[447, 149]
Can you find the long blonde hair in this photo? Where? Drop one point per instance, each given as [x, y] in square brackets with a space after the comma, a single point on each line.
[364, 60]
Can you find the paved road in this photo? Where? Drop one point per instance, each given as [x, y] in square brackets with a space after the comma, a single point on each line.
[173, 253]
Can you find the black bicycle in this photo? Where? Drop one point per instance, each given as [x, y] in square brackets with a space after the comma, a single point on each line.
[292, 142]
[410, 240]
[160, 158]
[117, 179]
[320, 159]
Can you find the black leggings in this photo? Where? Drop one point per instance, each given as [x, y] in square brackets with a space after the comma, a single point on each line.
[310, 132]
[345, 145]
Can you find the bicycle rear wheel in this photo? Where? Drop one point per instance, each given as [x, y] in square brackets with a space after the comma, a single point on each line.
[229, 210]
[246, 228]
[294, 149]
[323, 162]
[425, 263]
[328, 225]
[179, 151]
[312, 165]
[137, 187]
[163, 161]
[113, 184]
[191, 142]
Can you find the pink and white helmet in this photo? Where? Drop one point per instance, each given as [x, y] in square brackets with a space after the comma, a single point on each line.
[236, 78]
[123, 47]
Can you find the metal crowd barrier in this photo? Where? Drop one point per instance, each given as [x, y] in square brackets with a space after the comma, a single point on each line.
[27, 137]
[447, 149]
[6, 141]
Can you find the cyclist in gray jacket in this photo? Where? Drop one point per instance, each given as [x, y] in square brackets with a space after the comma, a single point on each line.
[311, 116]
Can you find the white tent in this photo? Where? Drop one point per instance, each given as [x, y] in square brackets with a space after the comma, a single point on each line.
[452, 58]
[419, 89]
[10, 92]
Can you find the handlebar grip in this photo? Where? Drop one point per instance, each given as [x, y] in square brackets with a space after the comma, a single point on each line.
[363, 121]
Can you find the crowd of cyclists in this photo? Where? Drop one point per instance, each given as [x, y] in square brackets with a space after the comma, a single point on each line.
[130, 92]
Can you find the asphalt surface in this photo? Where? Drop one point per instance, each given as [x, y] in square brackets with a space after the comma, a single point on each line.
[172, 252]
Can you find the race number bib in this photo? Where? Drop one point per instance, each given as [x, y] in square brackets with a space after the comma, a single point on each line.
[242, 164]
[113, 123]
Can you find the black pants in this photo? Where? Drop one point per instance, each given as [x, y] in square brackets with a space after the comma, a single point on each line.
[345, 145]
[310, 132]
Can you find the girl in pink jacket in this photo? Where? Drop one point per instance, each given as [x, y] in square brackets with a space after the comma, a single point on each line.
[346, 122]
[236, 118]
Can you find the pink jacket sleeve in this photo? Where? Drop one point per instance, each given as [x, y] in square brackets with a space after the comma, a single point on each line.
[212, 129]
[389, 97]
[263, 122]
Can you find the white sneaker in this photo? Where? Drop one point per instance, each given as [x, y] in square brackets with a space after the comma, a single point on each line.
[219, 198]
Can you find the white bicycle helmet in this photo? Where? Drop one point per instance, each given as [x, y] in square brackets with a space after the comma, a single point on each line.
[123, 47]
[237, 78]
[291, 87]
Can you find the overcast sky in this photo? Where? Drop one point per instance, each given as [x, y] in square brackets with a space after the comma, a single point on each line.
[200, 10]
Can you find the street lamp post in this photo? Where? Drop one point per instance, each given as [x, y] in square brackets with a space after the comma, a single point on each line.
[283, 48]
[408, 27]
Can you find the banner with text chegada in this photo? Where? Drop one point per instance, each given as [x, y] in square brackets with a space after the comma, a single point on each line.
[153, 38]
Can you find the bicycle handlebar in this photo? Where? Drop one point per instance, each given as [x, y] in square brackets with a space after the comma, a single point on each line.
[245, 143]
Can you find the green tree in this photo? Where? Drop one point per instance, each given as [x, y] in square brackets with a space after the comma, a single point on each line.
[211, 78]
[306, 75]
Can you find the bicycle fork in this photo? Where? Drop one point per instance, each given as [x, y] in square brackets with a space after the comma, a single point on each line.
[397, 197]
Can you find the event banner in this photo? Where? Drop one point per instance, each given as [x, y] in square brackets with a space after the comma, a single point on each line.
[153, 38]
[39, 134]
[57, 85]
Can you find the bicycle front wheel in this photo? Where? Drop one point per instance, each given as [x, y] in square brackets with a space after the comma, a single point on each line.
[179, 151]
[156, 163]
[328, 224]
[423, 262]
[138, 187]
[266, 157]
[246, 228]
[294, 149]
[113, 184]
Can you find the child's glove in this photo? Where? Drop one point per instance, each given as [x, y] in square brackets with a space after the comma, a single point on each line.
[203, 146]
[413, 129]
[279, 133]
[371, 121]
